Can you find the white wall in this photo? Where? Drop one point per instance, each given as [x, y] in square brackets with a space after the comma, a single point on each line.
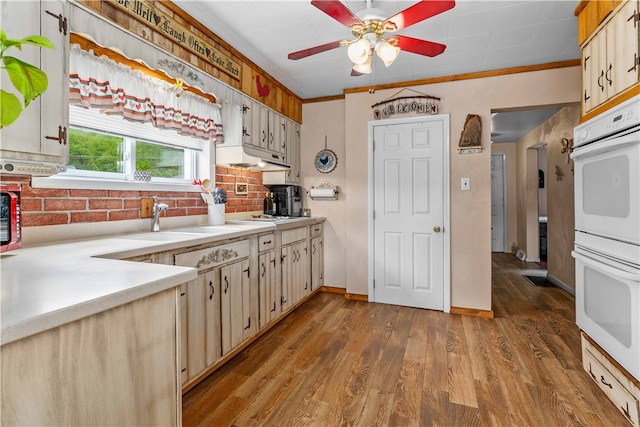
[470, 210]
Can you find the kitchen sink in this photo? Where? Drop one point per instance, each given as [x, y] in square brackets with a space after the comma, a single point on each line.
[207, 229]
[155, 237]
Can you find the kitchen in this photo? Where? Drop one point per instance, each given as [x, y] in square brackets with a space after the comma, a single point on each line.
[470, 281]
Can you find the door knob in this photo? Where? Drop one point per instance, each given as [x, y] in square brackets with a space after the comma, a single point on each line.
[436, 228]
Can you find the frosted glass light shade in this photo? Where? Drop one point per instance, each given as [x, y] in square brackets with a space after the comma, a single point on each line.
[358, 52]
[387, 52]
[364, 68]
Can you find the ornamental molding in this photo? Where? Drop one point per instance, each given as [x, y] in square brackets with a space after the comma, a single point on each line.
[217, 256]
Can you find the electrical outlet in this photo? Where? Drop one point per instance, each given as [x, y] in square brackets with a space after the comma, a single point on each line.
[146, 207]
[465, 184]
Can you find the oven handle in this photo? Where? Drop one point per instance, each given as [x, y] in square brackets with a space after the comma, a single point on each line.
[608, 144]
[606, 268]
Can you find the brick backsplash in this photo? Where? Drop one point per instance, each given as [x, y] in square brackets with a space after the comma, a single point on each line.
[45, 206]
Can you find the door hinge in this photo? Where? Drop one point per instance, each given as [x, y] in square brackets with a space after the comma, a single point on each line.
[62, 22]
[374, 283]
[636, 63]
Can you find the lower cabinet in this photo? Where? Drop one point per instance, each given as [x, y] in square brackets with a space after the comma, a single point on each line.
[235, 306]
[269, 289]
[294, 261]
[117, 367]
[317, 263]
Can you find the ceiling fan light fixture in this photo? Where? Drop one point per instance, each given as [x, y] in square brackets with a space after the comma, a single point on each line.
[387, 52]
[364, 68]
[358, 51]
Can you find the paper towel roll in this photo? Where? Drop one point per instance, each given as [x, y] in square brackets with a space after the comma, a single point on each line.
[322, 193]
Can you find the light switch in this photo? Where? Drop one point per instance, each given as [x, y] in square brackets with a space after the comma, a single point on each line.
[465, 184]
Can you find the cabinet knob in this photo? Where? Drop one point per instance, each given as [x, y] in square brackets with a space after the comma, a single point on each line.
[436, 229]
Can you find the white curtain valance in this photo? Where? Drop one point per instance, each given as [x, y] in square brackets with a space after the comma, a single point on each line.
[115, 88]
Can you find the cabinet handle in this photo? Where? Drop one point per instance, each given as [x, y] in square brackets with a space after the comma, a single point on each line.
[282, 257]
[274, 307]
[600, 79]
[264, 136]
[226, 286]
[274, 262]
[264, 269]
[62, 22]
[585, 96]
[62, 136]
[212, 290]
[244, 132]
[608, 74]
[249, 325]
[602, 380]
[592, 375]
[635, 16]
[266, 242]
[636, 62]
[313, 249]
[586, 58]
[626, 411]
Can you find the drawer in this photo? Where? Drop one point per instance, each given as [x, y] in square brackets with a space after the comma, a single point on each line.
[266, 242]
[620, 396]
[316, 230]
[216, 255]
[294, 235]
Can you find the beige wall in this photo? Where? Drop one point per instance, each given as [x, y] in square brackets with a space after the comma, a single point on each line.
[509, 150]
[470, 219]
[560, 210]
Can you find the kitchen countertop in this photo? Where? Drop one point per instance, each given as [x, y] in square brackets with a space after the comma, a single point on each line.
[47, 286]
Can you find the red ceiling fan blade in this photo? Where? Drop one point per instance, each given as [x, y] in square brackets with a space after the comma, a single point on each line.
[313, 50]
[337, 11]
[419, 12]
[421, 47]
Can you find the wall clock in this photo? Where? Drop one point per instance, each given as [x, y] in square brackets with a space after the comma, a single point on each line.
[326, 161]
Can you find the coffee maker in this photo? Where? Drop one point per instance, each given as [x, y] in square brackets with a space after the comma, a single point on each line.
[290, 197]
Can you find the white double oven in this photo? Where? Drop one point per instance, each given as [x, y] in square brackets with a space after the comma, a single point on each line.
[607, 237]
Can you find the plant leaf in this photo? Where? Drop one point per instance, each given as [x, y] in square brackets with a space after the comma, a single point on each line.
[34, 40]
[30, 81]
[10, 108]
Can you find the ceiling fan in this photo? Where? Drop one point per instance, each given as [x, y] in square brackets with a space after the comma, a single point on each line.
[370, 31]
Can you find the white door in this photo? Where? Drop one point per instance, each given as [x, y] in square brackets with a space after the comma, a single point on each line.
[408, 201]
[498, 219]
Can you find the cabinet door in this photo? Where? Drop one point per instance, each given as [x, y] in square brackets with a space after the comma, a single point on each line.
[303, 270]
[589, 75]
[269, 292]
[263, 126]
[184, 349]
[317, 263]
[293, 152]
[235, 304]
[249, 116]
[47, 116]
[286, 264]
[623, 34]
[211, 279]
[196, 355]
[282, 134]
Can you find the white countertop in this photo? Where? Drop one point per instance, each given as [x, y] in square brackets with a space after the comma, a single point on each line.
[47, 286]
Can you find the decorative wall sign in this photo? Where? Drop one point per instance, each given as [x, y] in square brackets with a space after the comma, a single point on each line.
[326, 160]
[471, 135]
[144, 11]
[417, 104]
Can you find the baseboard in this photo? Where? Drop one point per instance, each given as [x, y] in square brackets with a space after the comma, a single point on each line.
[487, 314]
[333, 290]
[356, 297]
[559, 283]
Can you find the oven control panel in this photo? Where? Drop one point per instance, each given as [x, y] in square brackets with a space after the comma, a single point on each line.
[24, 167]
[620, 117]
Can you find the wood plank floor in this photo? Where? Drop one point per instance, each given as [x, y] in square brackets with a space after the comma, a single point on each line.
[340, 362]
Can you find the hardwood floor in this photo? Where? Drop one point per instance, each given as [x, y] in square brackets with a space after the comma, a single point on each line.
[339, 362]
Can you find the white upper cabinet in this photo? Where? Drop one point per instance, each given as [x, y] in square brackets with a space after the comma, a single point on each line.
[40, 133]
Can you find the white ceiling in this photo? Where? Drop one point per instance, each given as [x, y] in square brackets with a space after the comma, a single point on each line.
[480, 36]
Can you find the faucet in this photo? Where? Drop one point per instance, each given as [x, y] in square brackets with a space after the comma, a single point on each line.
[155, 211]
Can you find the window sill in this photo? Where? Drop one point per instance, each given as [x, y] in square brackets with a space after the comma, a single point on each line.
[84, 183]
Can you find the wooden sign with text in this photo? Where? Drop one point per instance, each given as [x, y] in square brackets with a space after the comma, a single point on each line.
[144, 11]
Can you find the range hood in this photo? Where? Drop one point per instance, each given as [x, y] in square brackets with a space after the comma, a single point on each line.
[232, 152]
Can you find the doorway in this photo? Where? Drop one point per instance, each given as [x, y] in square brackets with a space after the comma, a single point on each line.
[409, 190]
[498, 202]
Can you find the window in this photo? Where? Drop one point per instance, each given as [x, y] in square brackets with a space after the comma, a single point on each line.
[103, 146]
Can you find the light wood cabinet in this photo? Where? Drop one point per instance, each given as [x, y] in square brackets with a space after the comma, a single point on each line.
[266, 130]
[235, 306]
[269, 290]
[117, 367]
[610, 58]
[317, 256]
[294, 262]
[40, 133]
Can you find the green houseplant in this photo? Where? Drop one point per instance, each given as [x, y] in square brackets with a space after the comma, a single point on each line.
[28, 79]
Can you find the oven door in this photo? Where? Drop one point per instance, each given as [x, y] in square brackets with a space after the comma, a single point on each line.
[608, 306]
[607, 187]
